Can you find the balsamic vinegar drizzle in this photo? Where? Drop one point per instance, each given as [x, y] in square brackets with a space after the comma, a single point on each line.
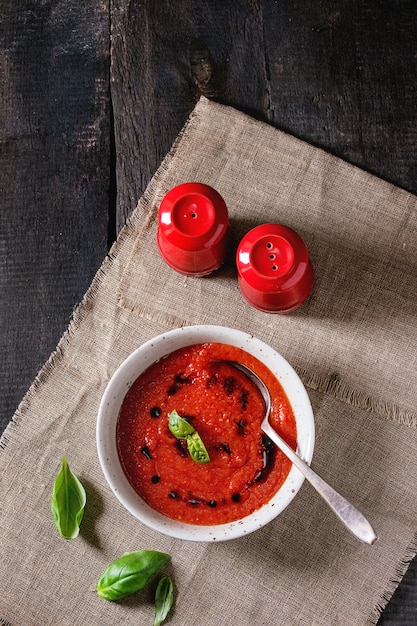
[146, 453]
[179, 380]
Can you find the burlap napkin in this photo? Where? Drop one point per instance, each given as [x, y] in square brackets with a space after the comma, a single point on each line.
[353, 343]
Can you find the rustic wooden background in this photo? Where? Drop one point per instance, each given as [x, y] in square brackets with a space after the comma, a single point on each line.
[93, 94]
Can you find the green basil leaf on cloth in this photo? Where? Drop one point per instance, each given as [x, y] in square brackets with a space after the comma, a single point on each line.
[130, 573]
[164, 599]
[68, 502]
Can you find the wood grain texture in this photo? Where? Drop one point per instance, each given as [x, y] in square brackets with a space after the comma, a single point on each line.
[54, 176]
[153, 85]
[341, 75]
[344, 78]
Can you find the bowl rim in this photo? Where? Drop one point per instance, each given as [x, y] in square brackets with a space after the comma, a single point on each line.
[136, 363]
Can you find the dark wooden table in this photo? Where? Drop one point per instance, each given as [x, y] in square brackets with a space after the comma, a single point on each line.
[93, 94]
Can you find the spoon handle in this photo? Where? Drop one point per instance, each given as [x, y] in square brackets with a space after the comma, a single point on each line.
[353, 519]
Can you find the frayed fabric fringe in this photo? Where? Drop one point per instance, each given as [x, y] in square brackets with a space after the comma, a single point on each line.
[336, 387]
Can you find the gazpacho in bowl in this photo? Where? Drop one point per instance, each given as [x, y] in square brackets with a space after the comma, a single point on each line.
[179, 437]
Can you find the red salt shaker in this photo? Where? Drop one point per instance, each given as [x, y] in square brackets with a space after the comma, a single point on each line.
[193, 225]
[274, 271]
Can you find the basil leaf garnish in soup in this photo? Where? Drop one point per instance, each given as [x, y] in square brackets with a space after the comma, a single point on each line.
[197, 449]
[178, 426]
[68, 502]
[164, 598]
[130, 573]
[181, 429]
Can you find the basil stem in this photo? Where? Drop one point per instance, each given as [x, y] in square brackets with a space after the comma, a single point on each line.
[164, 598]
[129, 573]
[197, 449]
[181, 429]
[68, 502]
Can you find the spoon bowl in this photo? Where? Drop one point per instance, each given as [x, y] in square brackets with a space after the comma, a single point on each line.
[349, 515]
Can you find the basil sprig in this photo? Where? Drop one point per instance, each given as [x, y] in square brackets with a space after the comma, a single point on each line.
[68, 502]
[181, 429]
[130, 573]
[164, 598]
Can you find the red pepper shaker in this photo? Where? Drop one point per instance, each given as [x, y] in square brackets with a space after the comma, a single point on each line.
[193, 225]
[274, 271]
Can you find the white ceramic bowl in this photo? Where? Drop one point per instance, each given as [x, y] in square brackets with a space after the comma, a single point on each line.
[139, 361]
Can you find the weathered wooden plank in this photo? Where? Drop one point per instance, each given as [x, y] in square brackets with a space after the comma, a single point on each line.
[54, 176]
[344, 78]
[153, 89]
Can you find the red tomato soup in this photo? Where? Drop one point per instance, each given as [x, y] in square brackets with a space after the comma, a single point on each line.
[226, 409]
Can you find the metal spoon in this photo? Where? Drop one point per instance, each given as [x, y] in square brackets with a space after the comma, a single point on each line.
[353, 519]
